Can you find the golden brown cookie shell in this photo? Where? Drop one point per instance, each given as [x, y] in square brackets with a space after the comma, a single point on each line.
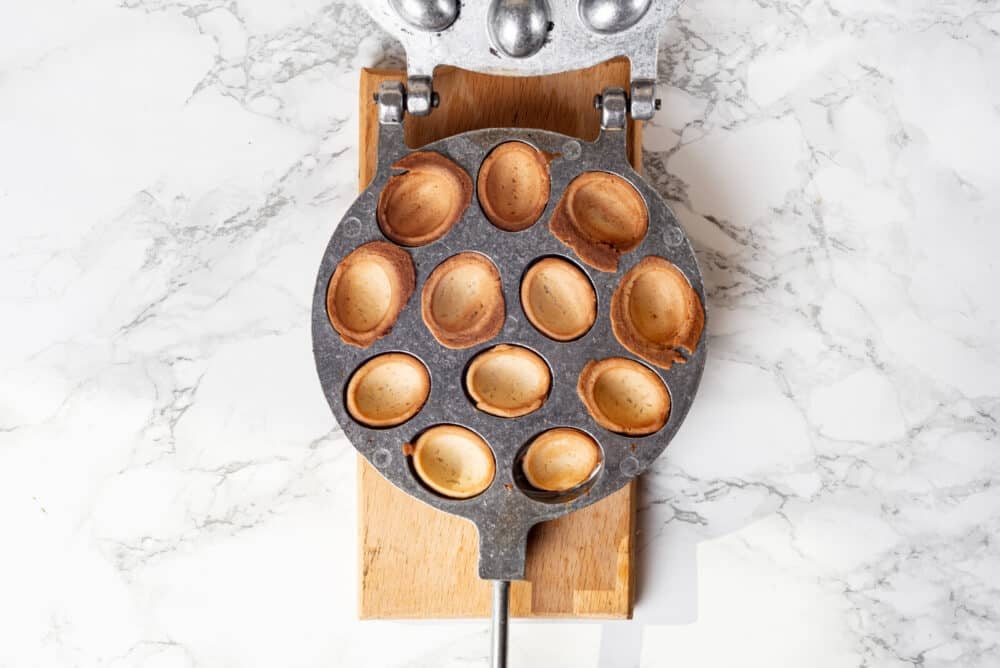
[420, 205]
[514, 185]
[600, 216]
[624, 396]
[453, 461]
[655, 313]
[462, 302]
[508, 381]
[368, 290]
[388, 390]
[560, 459]
[558, 299]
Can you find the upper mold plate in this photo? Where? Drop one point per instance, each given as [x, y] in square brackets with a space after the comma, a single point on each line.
[506, 37]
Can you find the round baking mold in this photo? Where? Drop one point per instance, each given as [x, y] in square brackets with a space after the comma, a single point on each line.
[504, 512]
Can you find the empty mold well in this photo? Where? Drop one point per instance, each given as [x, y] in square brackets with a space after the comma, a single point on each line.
[462, 303]
[624, 396]
[600, 216]
[655, 313]
[453, 461]
[368, 290]
[560, 459]
[508, 381]
[388, 390]
[558, 299]
[423, 203]
[513, 185]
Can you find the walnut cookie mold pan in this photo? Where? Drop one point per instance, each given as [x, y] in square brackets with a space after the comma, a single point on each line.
[502, 366]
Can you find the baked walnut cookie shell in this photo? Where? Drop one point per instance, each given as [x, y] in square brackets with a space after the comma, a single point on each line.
[560, 459]
[368, 290]
[388, 390]
[508, 381]
[453, 461]
[624, 396]
[420, 205]
[655, 313]
[558, 299]
[462, 301]
[514, 185]
[600, 216]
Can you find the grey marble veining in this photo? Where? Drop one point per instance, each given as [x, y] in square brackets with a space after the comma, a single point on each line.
[173, 489]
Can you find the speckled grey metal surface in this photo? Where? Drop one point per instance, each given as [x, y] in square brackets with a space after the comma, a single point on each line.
[504, 512]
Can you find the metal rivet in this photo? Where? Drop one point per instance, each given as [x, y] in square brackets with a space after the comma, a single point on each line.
[351, 227]
[381, 458]
[571, 150]
[630, 466]
[672, 236]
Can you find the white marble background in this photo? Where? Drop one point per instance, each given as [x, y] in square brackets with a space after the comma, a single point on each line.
[173, 490]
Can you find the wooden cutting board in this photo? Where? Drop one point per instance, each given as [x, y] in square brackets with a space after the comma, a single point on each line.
[418, 562]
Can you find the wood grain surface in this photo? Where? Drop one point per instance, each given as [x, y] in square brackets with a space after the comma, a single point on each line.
[418, 562]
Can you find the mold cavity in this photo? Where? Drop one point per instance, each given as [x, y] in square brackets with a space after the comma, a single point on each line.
[462, 303]
[624, 396]
[388, 390]
[422, 204]
[600, 216]
[558, 299]
[508, 381]
[453, 461]
[655, 313]
[560, 460]
[514, 185]
[368, 290]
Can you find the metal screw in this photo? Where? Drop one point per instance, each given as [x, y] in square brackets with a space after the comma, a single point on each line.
[657, 103]
[598, 101]
[375, 97]
[435, 100]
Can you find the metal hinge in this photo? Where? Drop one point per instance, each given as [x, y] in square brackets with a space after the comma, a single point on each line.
[393, 99]
[615, 106]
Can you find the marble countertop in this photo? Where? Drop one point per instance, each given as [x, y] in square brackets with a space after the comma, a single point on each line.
[173, 489]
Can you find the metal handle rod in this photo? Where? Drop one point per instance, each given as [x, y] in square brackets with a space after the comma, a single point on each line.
[501, 604]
